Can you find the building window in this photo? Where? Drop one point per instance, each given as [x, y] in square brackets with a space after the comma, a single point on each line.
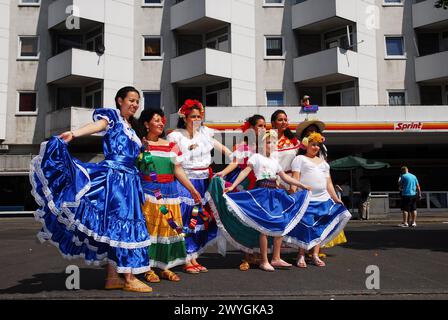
[397, 97]
[217, 95]
[274, 47]
[152, 3]
[342, 94]
[339, 38]
[392, 3]
[29, 47]
[68, 97]
[275, 98]
[152, 47]
[218, 39]
[395, 47]
[273, 3]
[94, 96]
[27, 102]
[29, 3]
[152, 99]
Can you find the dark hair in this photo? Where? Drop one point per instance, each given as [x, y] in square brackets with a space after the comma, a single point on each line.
[123, 93]
[181, 124]
[304, 130]
[253, 122]
[254, 119]
[146, 116]
[288, 133]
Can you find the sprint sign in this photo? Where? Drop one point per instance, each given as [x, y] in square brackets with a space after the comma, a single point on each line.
[408, 126]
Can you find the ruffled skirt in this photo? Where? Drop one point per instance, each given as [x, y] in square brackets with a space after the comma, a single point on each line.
[203, 234]
[167, 248]
[90, 211]
[322, 222]
[272, 212]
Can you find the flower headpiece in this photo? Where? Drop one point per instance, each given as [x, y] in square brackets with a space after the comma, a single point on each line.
[188, 105]
[314, 137]
[164, 120]
[246, 126]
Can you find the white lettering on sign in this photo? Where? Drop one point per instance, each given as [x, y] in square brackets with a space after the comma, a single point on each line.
[408, 126]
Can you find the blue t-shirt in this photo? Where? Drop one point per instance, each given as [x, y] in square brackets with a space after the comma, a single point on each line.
[408, 184]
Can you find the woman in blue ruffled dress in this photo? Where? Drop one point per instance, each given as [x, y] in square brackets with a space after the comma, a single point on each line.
[93, 210]
[268, 209]
[326, 215]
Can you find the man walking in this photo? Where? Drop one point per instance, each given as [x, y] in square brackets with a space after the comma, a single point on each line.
[410, 191]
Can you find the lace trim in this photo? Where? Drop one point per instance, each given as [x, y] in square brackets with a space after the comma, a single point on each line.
[191, 202]
[69, 222]
[235, 209]
[330, 232]
[164, 266]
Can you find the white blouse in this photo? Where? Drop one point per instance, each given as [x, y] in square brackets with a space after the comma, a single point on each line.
[313, 175]
[198, 157]
[264, 168]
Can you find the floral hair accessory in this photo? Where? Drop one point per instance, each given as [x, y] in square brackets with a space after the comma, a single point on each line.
[187, 107]
[314, 137]
[164, 120]
[246, 126]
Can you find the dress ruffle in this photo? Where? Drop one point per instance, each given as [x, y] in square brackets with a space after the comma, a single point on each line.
[272, 212]
[322, 222]
[90, 210]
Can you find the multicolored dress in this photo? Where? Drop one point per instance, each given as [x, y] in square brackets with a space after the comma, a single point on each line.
[267, 209]
[196, 163]
[324, 219]
[162, 206]
[93, 210]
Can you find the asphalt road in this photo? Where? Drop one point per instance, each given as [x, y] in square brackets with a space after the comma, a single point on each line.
[412, 264]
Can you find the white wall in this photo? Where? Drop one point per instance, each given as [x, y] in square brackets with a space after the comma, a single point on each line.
[4, 63]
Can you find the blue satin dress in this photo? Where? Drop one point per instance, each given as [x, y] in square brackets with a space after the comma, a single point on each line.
[93, 210]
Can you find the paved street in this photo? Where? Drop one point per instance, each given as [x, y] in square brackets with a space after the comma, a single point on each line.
[413, 264]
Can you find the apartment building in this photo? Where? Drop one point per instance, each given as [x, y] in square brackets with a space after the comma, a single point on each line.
[376, 68]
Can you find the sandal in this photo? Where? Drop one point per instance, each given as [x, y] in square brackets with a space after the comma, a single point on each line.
[114, 283]
[200, 268]
[190, 269]
[136, 285]
[301, 262]
[281, 264]
[244, 266]
[151, 277]
[169, 275]
[266, 267]
[317, 262]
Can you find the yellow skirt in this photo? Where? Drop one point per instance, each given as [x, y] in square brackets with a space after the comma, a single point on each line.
[339, 239]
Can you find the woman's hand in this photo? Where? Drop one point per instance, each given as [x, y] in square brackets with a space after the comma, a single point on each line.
[305, 187]
[219, 174]
[196, 196]
[337, 200]
[67, 136]
[229, 189]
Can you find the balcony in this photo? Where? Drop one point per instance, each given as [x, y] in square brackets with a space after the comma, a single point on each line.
[199, 15]
[201, 67]
[426, 16]
[432, 68]
[74, 67]
[88, 11]
[332, 65]
[315, 15]
[67, 119]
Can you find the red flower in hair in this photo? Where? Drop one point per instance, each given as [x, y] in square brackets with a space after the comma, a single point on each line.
[164, 120]
[245, 126]
[188, 105]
